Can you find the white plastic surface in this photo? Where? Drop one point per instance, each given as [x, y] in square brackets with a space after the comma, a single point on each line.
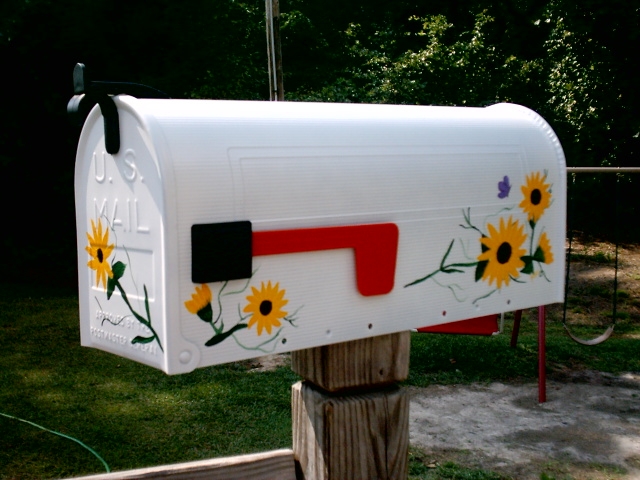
[444, 176]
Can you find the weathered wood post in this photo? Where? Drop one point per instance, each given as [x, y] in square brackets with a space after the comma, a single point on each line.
[350, 418]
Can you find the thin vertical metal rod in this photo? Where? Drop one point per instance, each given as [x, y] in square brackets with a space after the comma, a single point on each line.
[271, 57]
[542, 363]
[274, 50]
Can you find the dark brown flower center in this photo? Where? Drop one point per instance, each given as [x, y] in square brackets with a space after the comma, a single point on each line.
[536, 196]
[100, 255]
[504, 253]
[265, 307]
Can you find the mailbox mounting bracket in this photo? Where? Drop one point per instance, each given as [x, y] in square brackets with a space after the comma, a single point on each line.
[88, 93]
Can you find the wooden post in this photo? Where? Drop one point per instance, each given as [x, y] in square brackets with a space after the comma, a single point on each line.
[350, 419]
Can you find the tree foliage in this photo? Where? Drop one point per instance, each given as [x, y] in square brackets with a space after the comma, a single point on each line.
[572, 62]
[568, 61]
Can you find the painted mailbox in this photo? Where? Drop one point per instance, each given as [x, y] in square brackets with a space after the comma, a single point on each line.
[224, 230]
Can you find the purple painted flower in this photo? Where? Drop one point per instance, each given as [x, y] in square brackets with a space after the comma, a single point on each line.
[504, 187]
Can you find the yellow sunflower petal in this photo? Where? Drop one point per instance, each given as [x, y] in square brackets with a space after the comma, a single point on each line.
[545, 246]
[99, 250]
[537, 196]
[504, 252]
[199, 299]
[265, 307]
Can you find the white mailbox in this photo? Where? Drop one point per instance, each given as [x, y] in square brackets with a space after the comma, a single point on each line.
[224, 230]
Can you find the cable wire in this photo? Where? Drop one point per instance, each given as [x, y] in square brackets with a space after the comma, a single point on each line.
[60, 435]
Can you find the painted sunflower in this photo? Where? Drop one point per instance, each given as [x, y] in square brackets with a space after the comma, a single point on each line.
[99, 249]
[502, 252]
[265, 307]
[545, 249]
[200, 303]
[537, 196]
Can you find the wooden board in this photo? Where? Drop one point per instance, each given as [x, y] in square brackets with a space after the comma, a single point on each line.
[274, 465]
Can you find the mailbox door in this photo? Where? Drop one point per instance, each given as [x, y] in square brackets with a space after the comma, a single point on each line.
[120, 209]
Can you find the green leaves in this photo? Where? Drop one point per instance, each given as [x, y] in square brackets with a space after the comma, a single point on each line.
[528, 265]
[140, 339]
[528, 260]
[206, 314]
[118, 269]
[481, 268]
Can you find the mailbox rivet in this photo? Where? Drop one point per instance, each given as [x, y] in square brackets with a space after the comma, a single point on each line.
[185, 356]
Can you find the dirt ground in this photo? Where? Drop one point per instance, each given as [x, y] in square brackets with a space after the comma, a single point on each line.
[589, 427]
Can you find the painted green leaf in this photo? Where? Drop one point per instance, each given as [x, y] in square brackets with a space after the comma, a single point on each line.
[111, 285]
[483, 246]
[451, 270]
[118, 270]
[206, 313]
[538, 256]
[482, 265]
[528, 265]
[219, 337]
[140, 339]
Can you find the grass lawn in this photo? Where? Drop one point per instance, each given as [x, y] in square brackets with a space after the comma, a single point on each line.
[135, 416]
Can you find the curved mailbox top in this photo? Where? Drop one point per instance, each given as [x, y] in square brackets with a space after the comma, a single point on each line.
[224, 230]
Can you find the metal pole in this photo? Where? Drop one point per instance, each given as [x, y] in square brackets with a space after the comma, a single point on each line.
[274, 50]
[603, 169]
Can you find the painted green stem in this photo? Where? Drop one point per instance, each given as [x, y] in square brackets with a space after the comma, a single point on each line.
[451, 268]
[140, 318]
[219, 337]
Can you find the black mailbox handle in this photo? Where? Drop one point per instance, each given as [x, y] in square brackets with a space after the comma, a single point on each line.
[88, 93]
